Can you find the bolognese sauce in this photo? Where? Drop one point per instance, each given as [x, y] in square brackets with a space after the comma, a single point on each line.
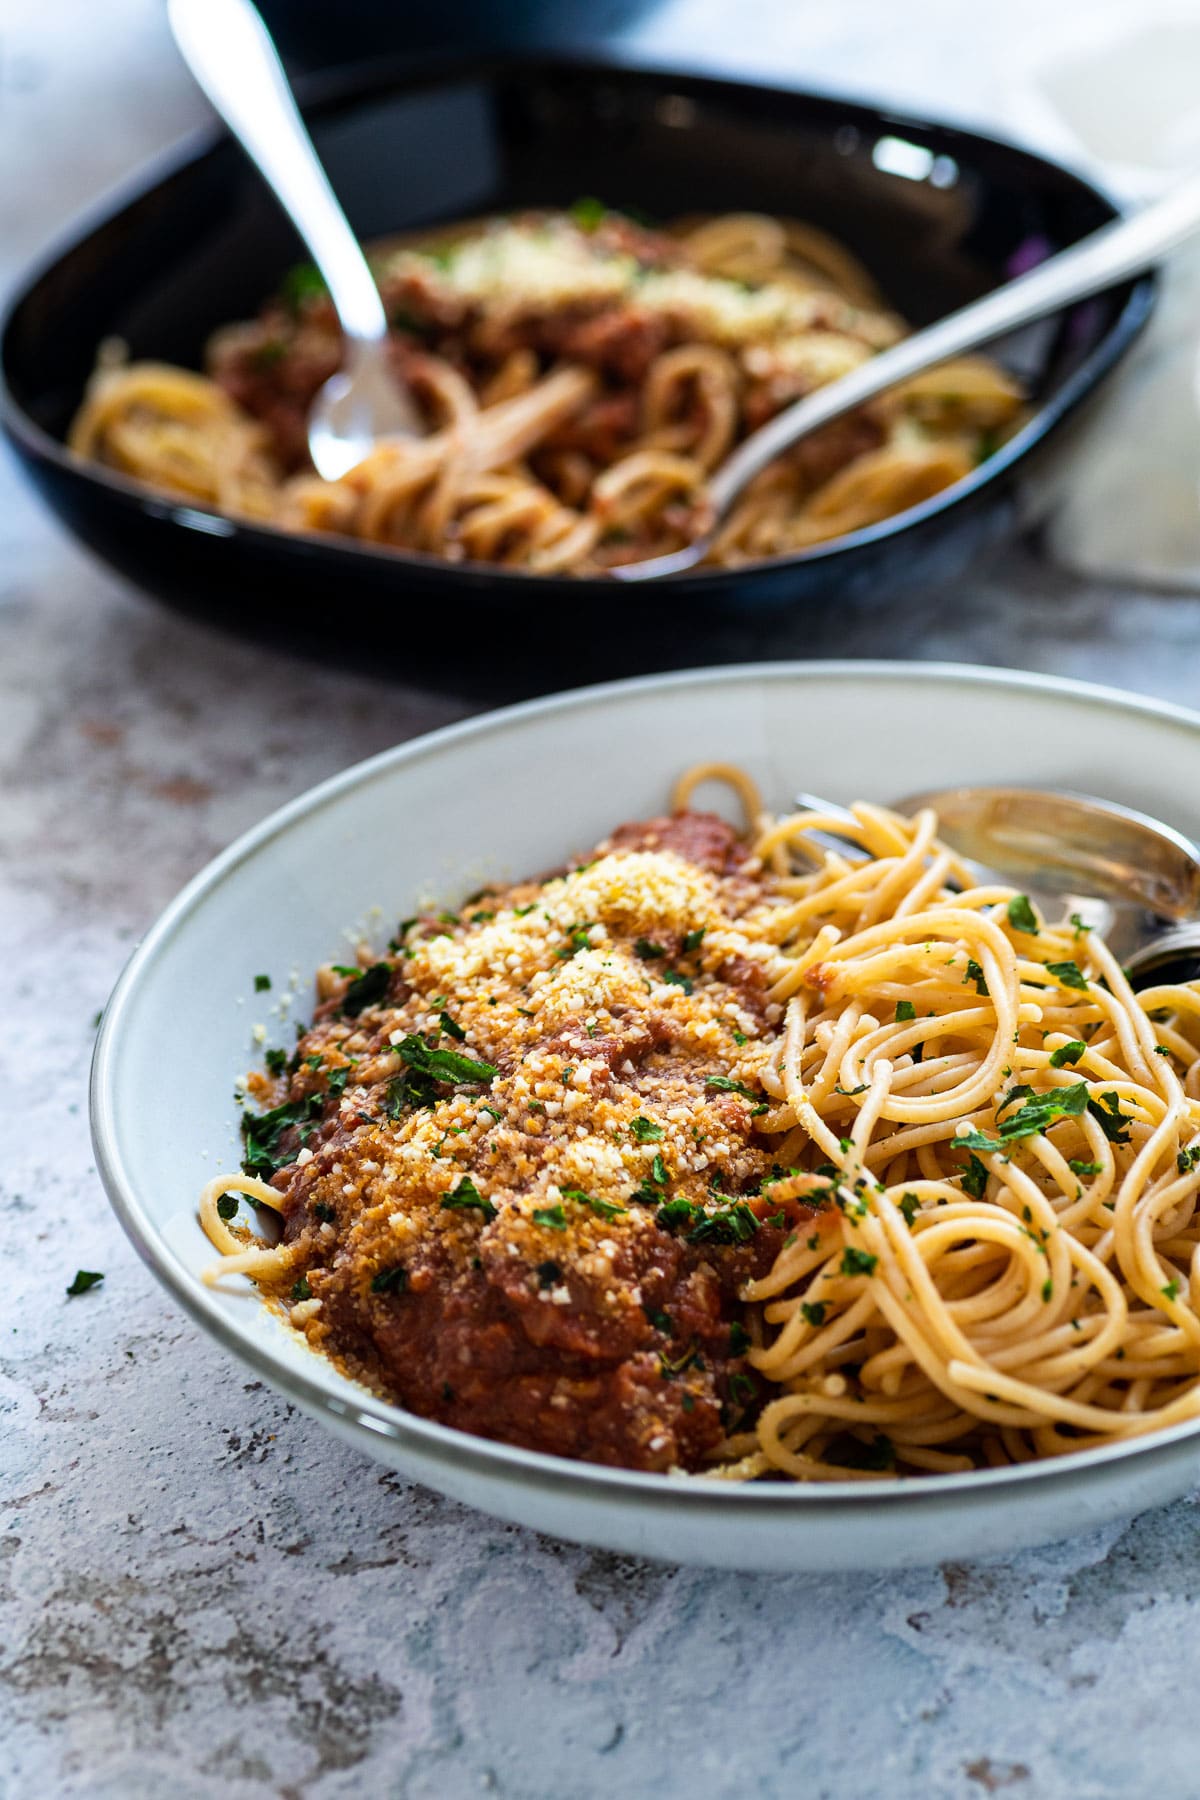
[519, 1160]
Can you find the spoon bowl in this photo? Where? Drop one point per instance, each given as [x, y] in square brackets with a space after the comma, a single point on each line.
[229, 51]
[1126, 874]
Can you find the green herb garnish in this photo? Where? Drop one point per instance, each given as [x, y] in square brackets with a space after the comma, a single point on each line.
[1067, 1053]
[1112, 1121]
[645, 1131]
[1021, 915]
[725, 1085]
[604, 1209]
[588, 213]
[1036, 1115]
[1069, 974]
[85, 1279]
[975, 1179]
[975, 973]
[262, 1132]
[370, 986]
[467, 1195]
[390, 1281]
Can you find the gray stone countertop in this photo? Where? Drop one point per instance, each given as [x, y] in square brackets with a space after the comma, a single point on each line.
[201, 1593]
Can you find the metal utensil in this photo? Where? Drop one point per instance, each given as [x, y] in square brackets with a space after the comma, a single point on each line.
[229, 51]
[1077, 850]
[1099, 261]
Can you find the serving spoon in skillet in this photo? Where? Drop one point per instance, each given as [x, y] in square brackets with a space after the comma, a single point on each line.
[229, 51]
[1129, 875]
[1100, 260]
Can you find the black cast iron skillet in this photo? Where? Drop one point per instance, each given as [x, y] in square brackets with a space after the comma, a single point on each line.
[939, 215]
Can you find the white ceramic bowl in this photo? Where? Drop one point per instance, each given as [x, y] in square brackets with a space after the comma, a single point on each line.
[514, 792]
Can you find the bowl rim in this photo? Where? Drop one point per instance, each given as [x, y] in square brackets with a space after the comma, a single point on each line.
[434, 1444]
[330, 92]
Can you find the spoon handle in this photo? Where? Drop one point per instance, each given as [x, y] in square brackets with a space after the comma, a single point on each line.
[230, 53]
[1099, 261]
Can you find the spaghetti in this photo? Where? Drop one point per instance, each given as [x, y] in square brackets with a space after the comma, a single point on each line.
[581, 377]
[966, 1167]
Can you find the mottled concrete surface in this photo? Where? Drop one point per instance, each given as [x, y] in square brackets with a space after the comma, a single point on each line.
[203, 1595]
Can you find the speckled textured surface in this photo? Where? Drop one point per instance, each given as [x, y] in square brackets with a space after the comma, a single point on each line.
[201, 1594]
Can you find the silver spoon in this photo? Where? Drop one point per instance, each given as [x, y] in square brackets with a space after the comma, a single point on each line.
[1077, 850]
[1099, 261]
[229, 51]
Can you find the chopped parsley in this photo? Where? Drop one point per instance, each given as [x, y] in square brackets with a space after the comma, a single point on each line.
[1170, 1292]
[604, 1209]
[645, 1131]
[261, 983]
[521, 911]
[301, 1289]
[975, 973]
[813, 1312]
[262, 1133]
[858, 1262]
[1069, 974]
[905, 1010]
[390, 1281]
[425, 1067]
[910, 1204]
[1039, 1112]
[276, 1061]
[975, 1179]
[1078, 924]
[733, 1223]
[227, 1206]
[1021, 915]
[724, 1084]
[1187, 1159]
[552, 1217]
[467, 1195]
[301, 284]
[1078, 1167]
[1112, 1121]
[647, 949]
[677, 980]
[588, 213]
[85, 1279]
[1067, 1053]
[452, 1028]
[548, 1274]
[577, 940]
[371, 985]
[739, 1339]
[692, 941]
